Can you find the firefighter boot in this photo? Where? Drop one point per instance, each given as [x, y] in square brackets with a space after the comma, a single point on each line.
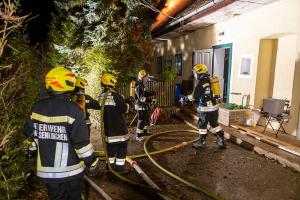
[220, 141]
[139, 137]
[200, 144]
[122, 169]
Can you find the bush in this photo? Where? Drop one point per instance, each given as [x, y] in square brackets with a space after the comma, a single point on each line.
[20, 81]
[169, 73]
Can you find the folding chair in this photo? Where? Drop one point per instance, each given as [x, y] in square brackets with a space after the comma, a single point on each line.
[276, 110]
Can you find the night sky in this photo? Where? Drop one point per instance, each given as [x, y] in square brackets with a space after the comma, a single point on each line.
[38, 27]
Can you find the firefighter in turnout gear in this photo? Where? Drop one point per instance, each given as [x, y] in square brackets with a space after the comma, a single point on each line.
[115, 128]
[142, 105]
[84, 101]
[208, 107]
[58, 128]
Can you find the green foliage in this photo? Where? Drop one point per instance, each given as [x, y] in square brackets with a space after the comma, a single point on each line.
[169, 73]
[20, 86]
[112, 35]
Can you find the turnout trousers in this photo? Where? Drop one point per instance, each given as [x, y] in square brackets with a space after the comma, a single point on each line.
[143, 122]
[71, 189]
[210, 117]
[117, 152]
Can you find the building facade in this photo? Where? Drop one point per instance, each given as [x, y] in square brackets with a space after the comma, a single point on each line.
[254, 53]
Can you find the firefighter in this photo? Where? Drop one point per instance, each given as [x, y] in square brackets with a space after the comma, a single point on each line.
[60, 136]
[142, 105]
[84, 101]
[208, 107]
[115, 127]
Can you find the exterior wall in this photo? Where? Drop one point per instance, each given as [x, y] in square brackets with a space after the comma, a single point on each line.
[266, 65]
[279, 20]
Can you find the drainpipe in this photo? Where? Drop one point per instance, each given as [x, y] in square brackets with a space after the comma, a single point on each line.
[298, 127]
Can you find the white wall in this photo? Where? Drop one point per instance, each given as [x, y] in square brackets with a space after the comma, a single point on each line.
[284, 68]
[280, 20]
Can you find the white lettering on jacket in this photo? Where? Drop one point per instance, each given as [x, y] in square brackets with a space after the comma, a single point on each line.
[50, 132]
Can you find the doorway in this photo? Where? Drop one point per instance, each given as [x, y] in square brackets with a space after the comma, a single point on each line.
[221, 67]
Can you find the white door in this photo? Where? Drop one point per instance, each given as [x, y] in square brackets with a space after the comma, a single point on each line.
[204, 57]
[219, 57]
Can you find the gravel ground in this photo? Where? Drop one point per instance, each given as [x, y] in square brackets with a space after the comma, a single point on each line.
[234, 173]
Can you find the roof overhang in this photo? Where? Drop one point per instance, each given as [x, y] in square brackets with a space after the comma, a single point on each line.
[211, 13]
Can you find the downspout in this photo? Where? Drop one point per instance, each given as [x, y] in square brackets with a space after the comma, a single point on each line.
[298, 127]
[196, 14]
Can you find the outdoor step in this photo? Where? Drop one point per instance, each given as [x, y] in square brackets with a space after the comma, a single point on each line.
[284, 158]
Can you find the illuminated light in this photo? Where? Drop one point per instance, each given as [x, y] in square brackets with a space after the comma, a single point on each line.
[171, 4]
[172, 7]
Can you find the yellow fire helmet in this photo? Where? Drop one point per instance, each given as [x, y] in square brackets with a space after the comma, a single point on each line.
[81, 82]
[200, 68]
[60, 79]
[142, 74]
[108, 79]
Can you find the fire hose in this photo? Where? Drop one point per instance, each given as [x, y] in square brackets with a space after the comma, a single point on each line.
[154, 187]
[158, 191]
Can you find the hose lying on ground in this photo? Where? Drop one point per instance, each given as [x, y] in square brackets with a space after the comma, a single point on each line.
[205, 191]
[158, 191]
[97, 188]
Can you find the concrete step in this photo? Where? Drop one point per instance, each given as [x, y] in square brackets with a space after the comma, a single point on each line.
[237, 137]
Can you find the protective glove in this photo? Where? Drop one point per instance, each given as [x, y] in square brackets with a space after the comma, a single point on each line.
[31, 150]
[183, 100]
[94, 169]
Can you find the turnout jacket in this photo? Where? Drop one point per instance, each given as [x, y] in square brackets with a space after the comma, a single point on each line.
[86, 102]
[142, 96]
[203, 93]
[115, 107]
[59, 130]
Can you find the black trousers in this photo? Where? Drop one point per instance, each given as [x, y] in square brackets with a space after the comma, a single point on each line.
[71, 189]
[143, 121]
[117, 152]
[211, 118]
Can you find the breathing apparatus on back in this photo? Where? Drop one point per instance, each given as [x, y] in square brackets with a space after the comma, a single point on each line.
[78, 95]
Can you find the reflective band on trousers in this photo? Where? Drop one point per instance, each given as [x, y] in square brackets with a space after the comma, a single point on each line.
[119, 138]
[52, 119]
[208, 108]
[137, 107]
[60, 174]
[139, 130]
[216, 129]
[112, 160]
[120, 161]
[191, 98]
[85, 151]
[202, 131]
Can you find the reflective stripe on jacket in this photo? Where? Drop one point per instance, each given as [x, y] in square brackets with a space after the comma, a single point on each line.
[58, 127]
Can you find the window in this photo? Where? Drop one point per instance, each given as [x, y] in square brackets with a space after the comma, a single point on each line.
[159, 64]
[246, 62]
[178, 63]
[168, 63]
